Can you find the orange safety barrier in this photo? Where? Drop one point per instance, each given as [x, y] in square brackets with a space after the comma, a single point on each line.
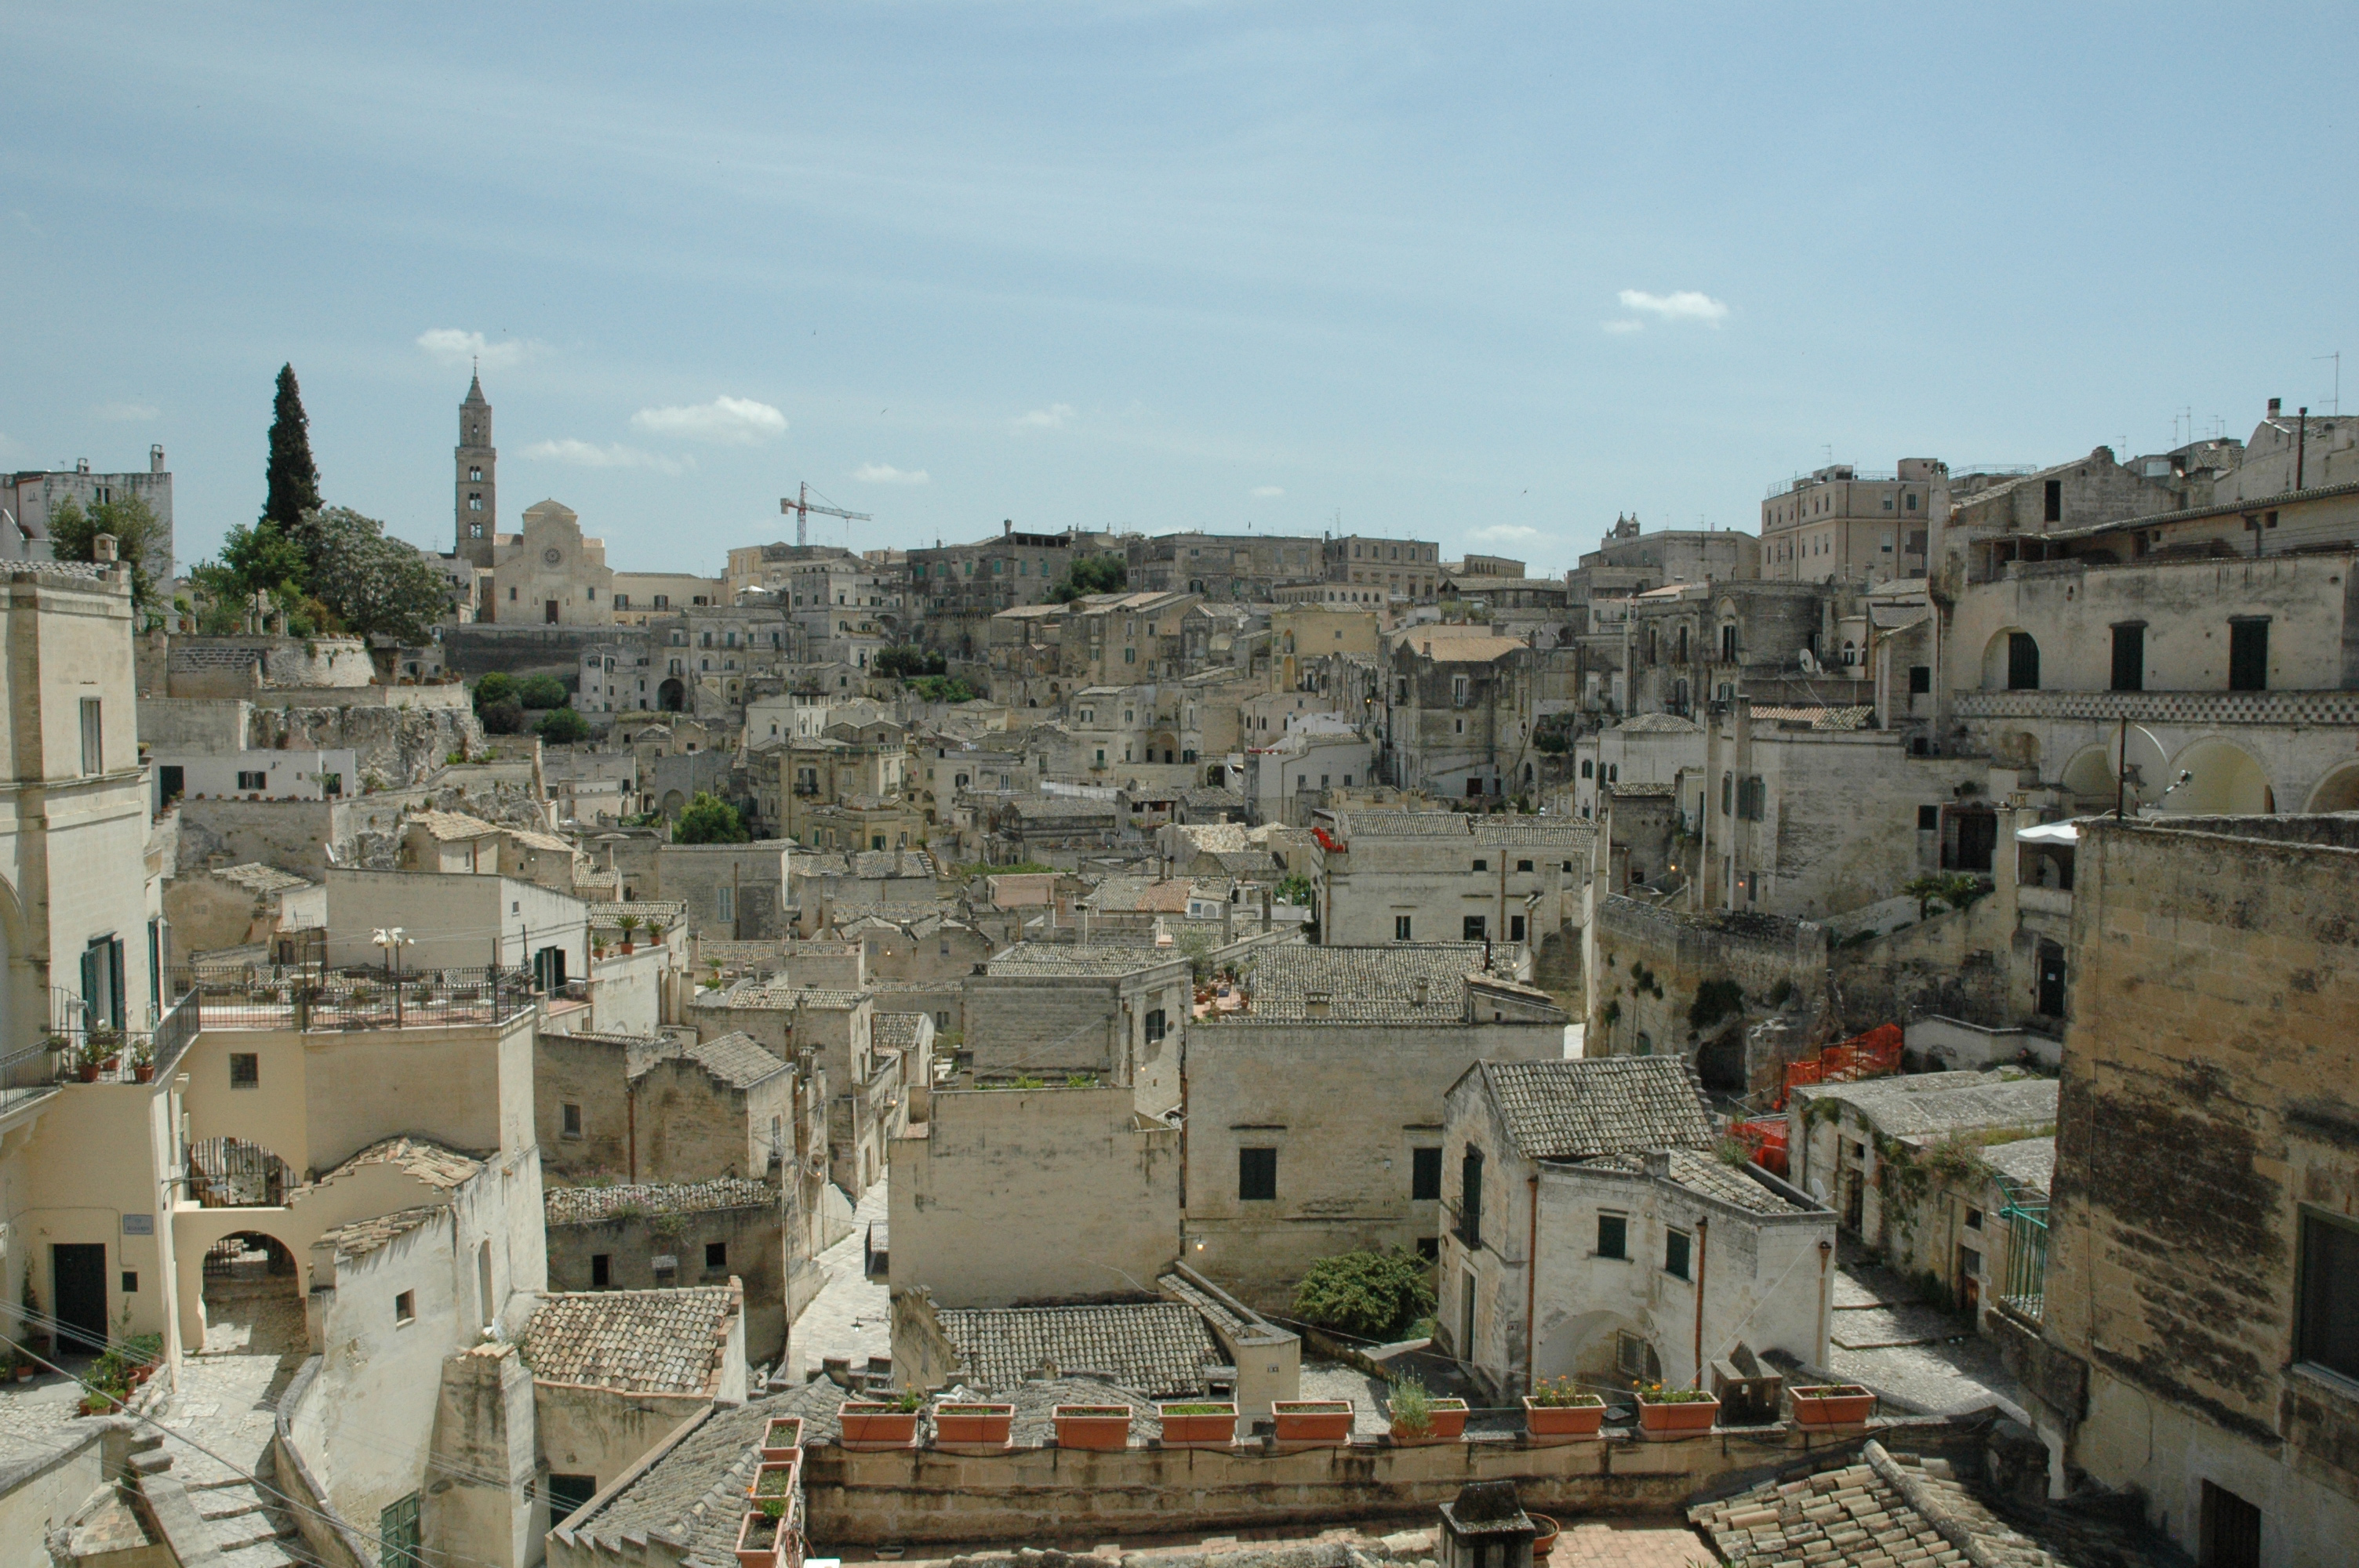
[1868, 1055]
[1764, 1140]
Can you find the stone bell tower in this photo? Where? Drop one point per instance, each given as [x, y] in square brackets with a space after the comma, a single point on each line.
[476, 495]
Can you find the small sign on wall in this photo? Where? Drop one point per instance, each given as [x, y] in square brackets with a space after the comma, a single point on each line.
[138, 1225]
[659, 1264]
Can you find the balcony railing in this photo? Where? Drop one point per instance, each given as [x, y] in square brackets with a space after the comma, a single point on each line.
[313, 997]
[2025, 1291]
[78, 1047]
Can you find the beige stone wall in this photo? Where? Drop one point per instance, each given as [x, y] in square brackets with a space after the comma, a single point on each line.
[83, 1166]
[753, 1243]
[1016, 1195]
[2206, 1103]
[600, 1433]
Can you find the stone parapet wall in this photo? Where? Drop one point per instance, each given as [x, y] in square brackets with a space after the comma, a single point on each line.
[2340, 708]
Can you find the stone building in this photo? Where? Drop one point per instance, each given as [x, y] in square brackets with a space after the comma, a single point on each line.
[1839, 524]
[954, 590]
[684, 1235]
[28, 497]
[1227, 566]
[1311, 1099]
[1630, 560]
[1049, 1010]
[1380, 571]
[252, 905]
[2191, 1342]
[1447, 876]
[1592, 1232]
[1450, 712]
[1008, 1195]
[1666, 981]
[1786, 644]
[1866, 1149]
[655, 1108]
[549, 575]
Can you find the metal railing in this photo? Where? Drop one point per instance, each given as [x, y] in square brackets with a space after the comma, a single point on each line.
[2025, 1291]
[311, 997]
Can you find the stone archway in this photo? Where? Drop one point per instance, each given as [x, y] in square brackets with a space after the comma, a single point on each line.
[1589, 1347]
[671, 696]
[253, 1295]
[2225, 780]
[2338, 791]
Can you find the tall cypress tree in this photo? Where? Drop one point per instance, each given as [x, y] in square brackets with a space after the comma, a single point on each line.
[294, 480]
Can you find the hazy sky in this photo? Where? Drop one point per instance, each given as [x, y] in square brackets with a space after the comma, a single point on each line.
[1483, 274]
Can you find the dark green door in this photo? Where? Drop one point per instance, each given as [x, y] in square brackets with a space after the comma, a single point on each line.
[79, 1272]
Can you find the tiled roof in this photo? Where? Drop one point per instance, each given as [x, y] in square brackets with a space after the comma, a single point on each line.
[1402, 825]
[1360, 985]
[1816, 718]
[671, 910]
[2028, 1163]
[1641, 791]
[362, 1237]
[589, 1206]
[1158, 1348]
[1469, 650]
[1023, 890]
[430, 1162]
[897, 1031]
[1604, 1105]
[1080, 958]
[1144, 895]
[653, 1342]
[735, 1059]
[819, 999]
[1562, 832]
[532, 840]
[257, 878]
[449, 826]
[1931, 1104]
[1658, 724]
[1708, 1176]
[1882, 1510]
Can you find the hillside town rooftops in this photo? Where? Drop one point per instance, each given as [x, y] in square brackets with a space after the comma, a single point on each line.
[1658, 724]
[2027, 1162]
[1928, 1104]
[640, 1342]
[666, 911]
[1418, 983]
[735, 1059]
[591, 1206]
[453, 827]
[1606, 1105]
[1882, 1508]
[257, 878]
[896, 1031]
[1156, 1347]
[1707, 1176]
[1082, 958]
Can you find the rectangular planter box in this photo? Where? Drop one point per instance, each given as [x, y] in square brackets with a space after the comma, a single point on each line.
[868, 1425]
[985, 1424]
[783, 1437]
[1682, 1418]
[1448, 1426]
[763, 1473]
[1197, 1431]
[1563, 1420]
[1841, 1404]
[1103, 1427]
[759, 1527]
[1312, 1420]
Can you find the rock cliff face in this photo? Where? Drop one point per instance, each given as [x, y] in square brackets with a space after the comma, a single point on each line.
[403, 744]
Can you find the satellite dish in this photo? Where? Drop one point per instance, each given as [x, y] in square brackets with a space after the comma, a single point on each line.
[1810, 665]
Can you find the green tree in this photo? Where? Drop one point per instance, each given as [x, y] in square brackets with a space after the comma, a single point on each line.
[1295, 890]
[138, 537]
[906, 660]
[563, 726]
[541, 691]
[1368, 1295]
[497, 687]
[503, 717]
[942, 688]
[710, 819]
[376, 586]
[1091, 574]
[293, 481]
[257, 560]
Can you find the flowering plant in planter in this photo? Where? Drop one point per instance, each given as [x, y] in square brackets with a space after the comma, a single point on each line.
[1312, 1420]
[1559, 1407]
[1672, 1410]
[773, 1491]
[888, 1423]
[1418, 1417]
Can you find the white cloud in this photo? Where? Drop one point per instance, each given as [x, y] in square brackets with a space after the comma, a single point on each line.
[585, 455]
[1504, 534]
[729, 421]
[1052, 417]
[1267, 491]
[454, 347]
[886, 473]
[128, 412]
[1686, 305]
[1624, 325]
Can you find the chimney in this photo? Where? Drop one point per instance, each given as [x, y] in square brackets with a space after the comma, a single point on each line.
[2275, 404]
[1657, 1163]
[1007, 524]
[101, 548]
[1315, 1004]
[1423, 990]
[156, 459]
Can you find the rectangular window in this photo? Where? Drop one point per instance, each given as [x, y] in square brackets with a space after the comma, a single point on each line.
[2052, 510]
[1523, 865]
[1928, 819]
[602, 1271]
[1470, 1197]
[405, 1306]
[130, 1281]
[1425, 1175]
[2129, 657]
[1475, 928]
[1920, 680]
[1514, 929]
[716, 1254]
[397, 1532]
[567, 1494]
[1401, 928]
[1586, 767]
[725, 902]
[251, 779]
[1257, 1175]
[1613, 1236]
[1974, 1219]
[245, 1070]
[2022, 662]
[1482, 865]
[2248, 655]
[2326, 1327]
[1675, 1253]
[1157, 1024]
[571, 1115]
[93, 740]
[2231, 1532]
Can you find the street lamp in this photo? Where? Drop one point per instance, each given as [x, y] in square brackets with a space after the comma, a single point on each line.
[393, 940]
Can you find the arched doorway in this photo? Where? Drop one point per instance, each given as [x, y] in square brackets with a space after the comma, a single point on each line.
[1603, 1348]
[2011, 661]
[253, 1298]
[2222, 779]
[671, 696]
[2338, 791]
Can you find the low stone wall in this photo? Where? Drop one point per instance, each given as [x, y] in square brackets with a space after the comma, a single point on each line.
[924, 1494]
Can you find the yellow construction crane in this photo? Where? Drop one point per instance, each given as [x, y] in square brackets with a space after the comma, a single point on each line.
[802, 506]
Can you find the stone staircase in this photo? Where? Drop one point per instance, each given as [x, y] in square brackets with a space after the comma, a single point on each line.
[212, 1516]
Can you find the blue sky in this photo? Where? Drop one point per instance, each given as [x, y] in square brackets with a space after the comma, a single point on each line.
[1484, 274]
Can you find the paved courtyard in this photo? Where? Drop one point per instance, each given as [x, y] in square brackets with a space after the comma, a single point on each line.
[1916, 1356]
[850, 1316]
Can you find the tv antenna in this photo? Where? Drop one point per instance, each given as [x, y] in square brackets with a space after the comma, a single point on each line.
[2337, 357]
[802, 506]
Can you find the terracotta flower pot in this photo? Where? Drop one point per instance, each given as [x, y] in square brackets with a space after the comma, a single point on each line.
[1447, 1424]
[1546, 1539]
[1563, 1420]
[1197, 1429]
[1312, 1420]
[1101, 1427]
[145, 1073]
[774, 1481]
[972, 1424]
[757, 1541]
[1679, 1417]
[87, 1072]
[782, 1439]
[870, 1425]
[1836, 1404]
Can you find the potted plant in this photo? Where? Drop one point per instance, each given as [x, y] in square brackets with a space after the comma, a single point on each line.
[759, 1535]
[1545, 1541]
[1312, 1420]
[1831, 1404]
[1418, 1417]
[1674, 1412]
[978, 1423]
[773, 1491]
[143, 1060]
[888, 1423]
[782, 1437]
[1560, 1408]
[630, 923]
[91, 1060]
[1198, 1425]
[1105, 1427]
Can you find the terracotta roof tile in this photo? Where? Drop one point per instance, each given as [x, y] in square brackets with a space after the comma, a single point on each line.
[657, 1342]
[1606, 1105]
[1158, 1348]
